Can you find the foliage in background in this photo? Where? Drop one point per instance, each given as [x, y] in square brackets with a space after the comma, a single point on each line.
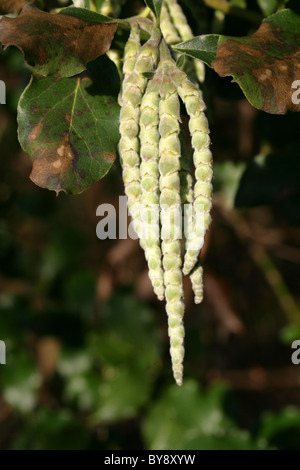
[87, 352]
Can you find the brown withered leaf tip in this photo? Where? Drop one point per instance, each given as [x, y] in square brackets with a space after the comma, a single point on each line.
[51, 42]
[265, 64]
[53, 164]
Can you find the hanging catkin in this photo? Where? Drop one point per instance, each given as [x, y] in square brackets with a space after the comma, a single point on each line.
[167, 27]
[150, 227]
[198, 126]
[158, 174]
[185, 32]
[186, 189]
[129, 146]
[131, 51]
[169, 166]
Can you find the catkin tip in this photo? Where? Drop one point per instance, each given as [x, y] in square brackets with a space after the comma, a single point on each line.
[178, 379]
[185, 271]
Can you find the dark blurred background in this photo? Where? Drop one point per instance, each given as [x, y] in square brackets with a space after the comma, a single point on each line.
[88, 365]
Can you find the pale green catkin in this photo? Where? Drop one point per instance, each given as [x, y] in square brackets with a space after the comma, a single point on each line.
[181, 24]
[196, 277]
[167, 28]
[187, 198]
[150, 227]
[169, 166]
[198, 126]
[186, 187]
[129, 145]
[131, 51]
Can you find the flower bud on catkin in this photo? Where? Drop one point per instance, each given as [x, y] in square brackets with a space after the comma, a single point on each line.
[196, 277]
[129, 145]
[131, 51]
[150, 227]
[169, 165]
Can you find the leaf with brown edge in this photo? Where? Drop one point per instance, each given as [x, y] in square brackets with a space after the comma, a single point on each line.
[69, 127]
[59, 45]
[265, 64]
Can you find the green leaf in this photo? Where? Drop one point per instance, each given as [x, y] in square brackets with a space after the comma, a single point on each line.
[82, 13]
[20, 383]
[200, 47]
[180, 61]
[69, 127]
[155, 6]
[265, 65]
[58, 45]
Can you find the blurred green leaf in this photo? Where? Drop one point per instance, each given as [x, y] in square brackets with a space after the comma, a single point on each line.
[73, 363]
[83, 390]
[290, 333]
[121, 393]
[62, 252]
[282, 429]
[113, 377]
[186, 418]
[52, 430]
[127, 335]
[79, 292]
[20, 382]
[268, 6]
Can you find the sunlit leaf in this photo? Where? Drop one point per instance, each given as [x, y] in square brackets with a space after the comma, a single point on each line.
[69, 127]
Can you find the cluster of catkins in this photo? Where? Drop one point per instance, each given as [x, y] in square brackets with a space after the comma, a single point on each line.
[160, 179]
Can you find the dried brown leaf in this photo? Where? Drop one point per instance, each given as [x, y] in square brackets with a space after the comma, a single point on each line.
[60, 44]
